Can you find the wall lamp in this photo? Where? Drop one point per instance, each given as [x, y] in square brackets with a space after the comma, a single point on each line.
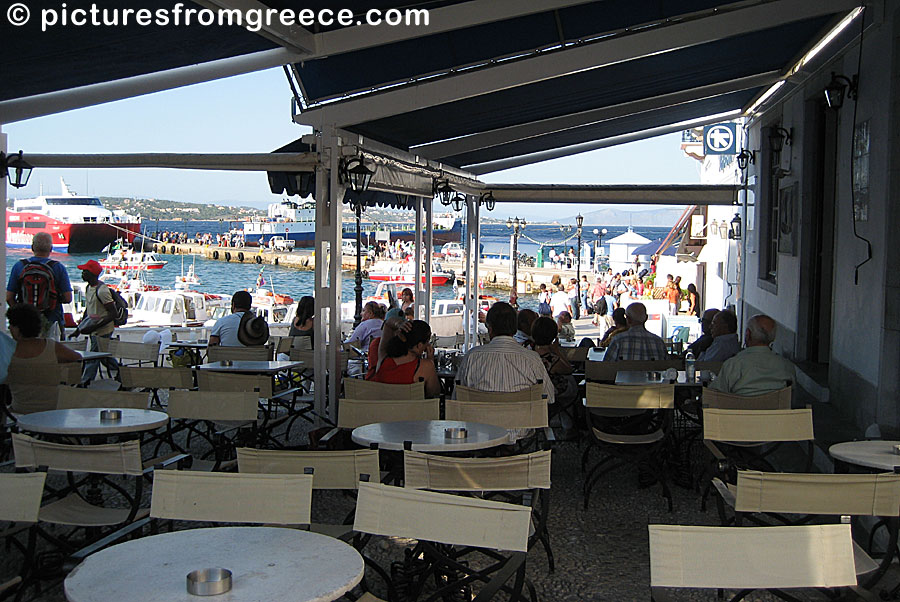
[16, 168]
[735, 233]
[746, 157]
[354, 172]
[487, 199]
[834, 91]
[778, 137]
[443, 190]
[458, 201]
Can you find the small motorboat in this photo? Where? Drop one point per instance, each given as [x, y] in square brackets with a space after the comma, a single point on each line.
[406, 272]
[122, 257]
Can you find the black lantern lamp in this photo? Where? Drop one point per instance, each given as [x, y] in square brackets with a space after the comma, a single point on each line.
[778, 137]
[16, 168]
[458, 201]
[488, 200]
[444, 191]
[745, 158]
[735, 233]
[356, 174]
[834, 91]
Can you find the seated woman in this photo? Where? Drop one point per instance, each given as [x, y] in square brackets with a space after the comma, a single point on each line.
[559, 369]
[620, 324]
[302, 325]
[33, 353]
[410, 357]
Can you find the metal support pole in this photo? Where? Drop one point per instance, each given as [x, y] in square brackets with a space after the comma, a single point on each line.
[515, 262]
[429, 253]
[358, 288]
[578, 308]
[476, 211]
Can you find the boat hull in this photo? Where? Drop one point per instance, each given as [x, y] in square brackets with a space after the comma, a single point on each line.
[67, 238]
[304, 234]
[436, 279]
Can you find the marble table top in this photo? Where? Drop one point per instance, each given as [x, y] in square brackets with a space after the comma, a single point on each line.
[267, 563]
[252, 367]
[870, 454]
[428, 435]
[93, 355]
[86, 421]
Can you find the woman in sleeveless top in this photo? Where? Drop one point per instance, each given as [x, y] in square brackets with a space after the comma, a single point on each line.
[410, 357]
[28, 394]
[302, 326]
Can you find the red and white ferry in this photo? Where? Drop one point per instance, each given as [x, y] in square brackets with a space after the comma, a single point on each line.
[405, 272]
[125, 259]
[77, 224]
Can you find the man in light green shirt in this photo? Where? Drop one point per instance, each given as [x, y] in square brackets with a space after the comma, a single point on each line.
[757, 369]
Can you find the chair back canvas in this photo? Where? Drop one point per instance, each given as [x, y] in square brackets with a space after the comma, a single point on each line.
[135, 377]
[232, 498]
[774, 400]
[752, 426]
[358, 412]
[213, 405]
[444, 473]
[535, 391]
[339, 469]
[71, 398]
[20, 496]
[440, 517]
[804, 493]
[141, 352]
[218, 353]
[307, 356]
[506, 414]
[357, 388]
[576, 354]
[649, 397]
[45, 376]
[109, 458]
[220, 381]
[751, 557]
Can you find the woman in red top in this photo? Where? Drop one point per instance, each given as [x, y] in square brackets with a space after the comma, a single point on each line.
[410, 357]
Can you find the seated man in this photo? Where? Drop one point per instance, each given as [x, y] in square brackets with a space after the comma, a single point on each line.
[370, 326]
[621, 325]
[757, 369]
[706, 338]
[725, 340]
[225, 331]
[524, 322]
[636, 343]
[566, 328]
[503, 364]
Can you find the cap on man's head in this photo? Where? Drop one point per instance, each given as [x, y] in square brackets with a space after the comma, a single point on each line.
[396, 312]
[93, 267]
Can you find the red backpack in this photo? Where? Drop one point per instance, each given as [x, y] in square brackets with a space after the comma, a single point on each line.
[37, 285]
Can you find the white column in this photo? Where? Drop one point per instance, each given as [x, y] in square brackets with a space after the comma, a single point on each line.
[429, 252]
[470, 317]
[476, 243]
[420, 290]
[320, 286]
[335, 277]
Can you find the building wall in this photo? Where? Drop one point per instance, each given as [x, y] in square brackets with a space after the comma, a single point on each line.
[865, 340]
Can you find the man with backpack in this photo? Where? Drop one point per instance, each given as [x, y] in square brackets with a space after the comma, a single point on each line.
[100, 316]
[42, 282]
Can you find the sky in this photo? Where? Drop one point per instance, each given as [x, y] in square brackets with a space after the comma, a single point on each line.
[251, 114]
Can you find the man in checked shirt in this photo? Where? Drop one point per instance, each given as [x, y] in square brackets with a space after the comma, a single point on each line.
[636, 343]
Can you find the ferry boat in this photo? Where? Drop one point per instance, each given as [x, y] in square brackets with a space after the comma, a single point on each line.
[297, 222]
[77, 224]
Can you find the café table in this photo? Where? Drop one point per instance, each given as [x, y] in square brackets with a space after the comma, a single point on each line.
[596, 354]
[658, 377]
[87, 356]
[82, 422]
[251, 367]
[267, 563]
[877, 455]
[429, 436]
[194, 349]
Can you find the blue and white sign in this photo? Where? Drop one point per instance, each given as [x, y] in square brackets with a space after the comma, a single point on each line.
[720, 139]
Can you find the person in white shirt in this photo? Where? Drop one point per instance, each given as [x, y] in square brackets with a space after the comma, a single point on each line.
[225, 331]
[370, 326]
[559, 302]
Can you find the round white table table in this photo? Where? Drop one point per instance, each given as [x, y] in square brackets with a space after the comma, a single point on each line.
[428, 435]
[267, 563]
[870, 454]
[86, 421]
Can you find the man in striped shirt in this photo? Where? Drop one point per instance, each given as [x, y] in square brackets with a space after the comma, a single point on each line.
[636, 343]
[503, 364]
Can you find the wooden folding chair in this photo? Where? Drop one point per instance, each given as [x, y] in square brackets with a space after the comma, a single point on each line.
[750, 558]
[70, 398]
[283, 499]
[20, 504]
[522, 479]
[774, 498]
[774, 400]
[448, 529]
[219, 353]
[331, 470]
[628, 425]
[356, 388]
[155, 378]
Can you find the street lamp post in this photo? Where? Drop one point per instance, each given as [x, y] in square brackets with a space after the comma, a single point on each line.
[579, 220]
[517, 226]
[358, 288]
[598, 246]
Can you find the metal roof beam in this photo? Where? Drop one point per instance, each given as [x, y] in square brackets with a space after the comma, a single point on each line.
[553, 64]
[214, 161]
[294, 37]
[615, 194]
[482, 140]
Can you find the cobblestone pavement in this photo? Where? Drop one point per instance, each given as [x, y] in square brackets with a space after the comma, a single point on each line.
[601, 553]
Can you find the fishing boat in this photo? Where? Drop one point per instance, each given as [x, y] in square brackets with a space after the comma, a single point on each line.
[174, 308]
[122, 257]
[406, 272]
[186, 281]
[77, 224]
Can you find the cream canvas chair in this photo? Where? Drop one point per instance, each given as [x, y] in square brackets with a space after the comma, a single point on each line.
[523, 479]
[359, 412]
[155, 378]
[774, 400]
[128, 354]
[606, 371]
[45, 380]
[470, 525]
[357, 388]
[628, 426]
[218, 353]
[70, 398]
[331, 470]
[232, 498]
[767, 498]
[20, 504]
[750, 558]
